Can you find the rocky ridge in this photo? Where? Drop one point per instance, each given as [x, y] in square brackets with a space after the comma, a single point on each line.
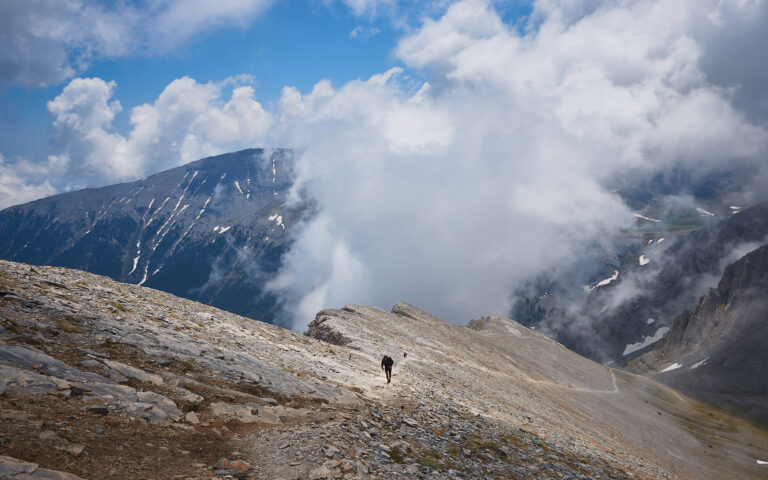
[716, 352]
[108, 380]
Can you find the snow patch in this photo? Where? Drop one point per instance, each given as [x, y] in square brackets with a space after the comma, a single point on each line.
[698, 364]
[704, 213]
[660, 240]
[644, 260]
[650, 321]
[646, 341]
[278, 219]
[674, 366]
[220, 229]
[237, 184]
[646, 218]
[761, 462]
[603, 283]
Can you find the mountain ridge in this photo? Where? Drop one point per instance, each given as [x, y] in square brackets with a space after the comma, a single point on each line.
[210, 230]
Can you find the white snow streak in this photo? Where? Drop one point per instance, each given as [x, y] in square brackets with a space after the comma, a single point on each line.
[660, 240]
[698, 364]
[135, 262]
[704, 213]
[761, 462]
[602, 283]
[646, 218]
[674, 366]
[204, 206]
[237, 184]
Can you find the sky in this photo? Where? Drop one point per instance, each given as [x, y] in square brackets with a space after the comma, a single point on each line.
[453, 148]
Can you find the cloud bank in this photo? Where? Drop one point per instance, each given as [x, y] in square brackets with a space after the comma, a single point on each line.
[187, 121]
[450, 194]
[46, 42]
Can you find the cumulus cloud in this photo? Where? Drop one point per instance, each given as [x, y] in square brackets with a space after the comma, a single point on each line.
[46, 42]
[187, 121]
[450, 194]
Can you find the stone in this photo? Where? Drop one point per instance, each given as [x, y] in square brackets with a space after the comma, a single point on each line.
[320, 473]
[161, 403]
[74, 449]
[187, 396]
[410, 422]
[192, 418]
[133, 372]
[116, 376]
[11, 466]
[331, 451]
[91, 363]
[99, 409]
[232, 468]
[163, 362]
[241, 413]
[49, 436]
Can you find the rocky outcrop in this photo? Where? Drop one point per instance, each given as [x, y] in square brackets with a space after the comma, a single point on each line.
[15, 469]
[717, 350]
[317, 329]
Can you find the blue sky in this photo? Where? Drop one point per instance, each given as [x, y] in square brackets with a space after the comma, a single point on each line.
[293, 42]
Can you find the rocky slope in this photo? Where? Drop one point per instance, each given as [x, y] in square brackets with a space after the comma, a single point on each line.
[717, 352]
[108, 380]
[212, 230]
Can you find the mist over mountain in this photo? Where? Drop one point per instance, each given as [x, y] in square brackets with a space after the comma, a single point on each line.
[213, 230]
[611, 305]
[716, 352]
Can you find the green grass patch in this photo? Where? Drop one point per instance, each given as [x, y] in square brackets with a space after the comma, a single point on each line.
[65, 326]
[118, 306]
[396, 455]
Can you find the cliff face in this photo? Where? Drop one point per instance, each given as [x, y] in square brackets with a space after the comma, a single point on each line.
[599, 316]
[110, 380]
[718, 350]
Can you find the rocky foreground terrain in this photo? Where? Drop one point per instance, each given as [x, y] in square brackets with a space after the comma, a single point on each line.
[100, 379]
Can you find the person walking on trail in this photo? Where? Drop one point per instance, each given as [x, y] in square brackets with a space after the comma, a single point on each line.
[386, 365]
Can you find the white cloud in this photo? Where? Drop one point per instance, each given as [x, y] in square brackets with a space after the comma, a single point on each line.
[363, 32]
[188, 120]
[449, 196]
[18, 185]
[48, 41]
[363, 7]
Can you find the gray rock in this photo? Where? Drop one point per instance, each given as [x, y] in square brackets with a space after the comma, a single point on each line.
[161, 403]
[133, 372]
[192, 418]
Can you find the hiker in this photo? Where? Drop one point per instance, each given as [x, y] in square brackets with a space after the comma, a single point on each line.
[386, 365]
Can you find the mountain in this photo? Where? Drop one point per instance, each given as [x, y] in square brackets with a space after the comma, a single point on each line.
[111, 380]
[613, 304]
[213, 230]
[717, 352]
